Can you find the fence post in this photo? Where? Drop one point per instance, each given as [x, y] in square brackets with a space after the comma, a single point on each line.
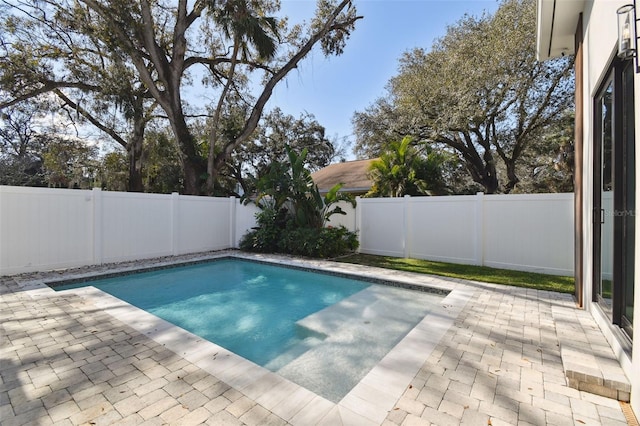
[358, 224]
[479, 229]
[96, 225]
[175, 222]
[233, 221]
[407, 224]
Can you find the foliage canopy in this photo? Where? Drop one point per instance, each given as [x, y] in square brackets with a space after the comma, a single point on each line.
[135, 60]
[403, 170]
[479, 93]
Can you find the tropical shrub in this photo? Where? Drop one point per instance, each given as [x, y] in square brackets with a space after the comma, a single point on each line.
[300, 241]
[293, 214]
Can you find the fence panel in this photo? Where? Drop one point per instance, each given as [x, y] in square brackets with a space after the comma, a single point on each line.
[531, 232]
[43, 229]
[135, 226]
[203, 224]
[443, 229]
[382, 226]
[245, 219]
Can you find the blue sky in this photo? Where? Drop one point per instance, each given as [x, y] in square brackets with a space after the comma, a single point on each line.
[332, 89]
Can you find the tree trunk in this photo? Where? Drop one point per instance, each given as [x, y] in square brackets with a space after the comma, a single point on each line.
[482, 169]
[490, 174]
[487, 177]
[194, 171]
[490, 183]
[134, 149]
[193, 166]
[135, 169]
[511, 176]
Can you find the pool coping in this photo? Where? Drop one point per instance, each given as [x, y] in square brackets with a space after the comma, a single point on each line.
[369, 402]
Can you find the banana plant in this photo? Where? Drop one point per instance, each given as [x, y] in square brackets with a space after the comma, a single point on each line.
[291, 187]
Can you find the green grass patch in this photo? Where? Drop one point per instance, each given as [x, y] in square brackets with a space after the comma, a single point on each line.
[468, 272]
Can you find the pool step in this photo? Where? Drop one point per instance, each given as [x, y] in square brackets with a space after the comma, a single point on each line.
[360, 330]
[369, 309]
[294, 352]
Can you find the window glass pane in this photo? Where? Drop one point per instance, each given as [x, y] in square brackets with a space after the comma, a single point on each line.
[628, 135]
[606, 188]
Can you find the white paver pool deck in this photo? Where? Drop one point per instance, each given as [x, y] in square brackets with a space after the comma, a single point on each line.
[488, 354]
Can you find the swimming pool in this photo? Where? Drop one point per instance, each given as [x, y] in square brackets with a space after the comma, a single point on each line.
[324, 332]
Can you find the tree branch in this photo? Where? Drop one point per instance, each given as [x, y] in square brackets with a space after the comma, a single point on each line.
[252, 122]
[137, 56]
[48, 86]
[91, 118]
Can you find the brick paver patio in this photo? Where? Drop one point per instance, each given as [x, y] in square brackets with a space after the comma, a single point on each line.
[65, 360]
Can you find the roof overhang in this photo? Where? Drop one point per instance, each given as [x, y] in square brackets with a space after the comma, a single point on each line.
[557, 23]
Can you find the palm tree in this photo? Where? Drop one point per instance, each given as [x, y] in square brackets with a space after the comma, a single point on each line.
[401, 170]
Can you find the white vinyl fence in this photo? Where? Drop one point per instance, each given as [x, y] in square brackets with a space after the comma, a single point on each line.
[45, 229]
[529, 232]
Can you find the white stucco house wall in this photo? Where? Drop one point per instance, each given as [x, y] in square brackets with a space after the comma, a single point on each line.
[607, 238]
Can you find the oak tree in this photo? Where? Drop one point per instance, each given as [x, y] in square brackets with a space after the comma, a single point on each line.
[46, 57]
[479, 93]
[161, 42]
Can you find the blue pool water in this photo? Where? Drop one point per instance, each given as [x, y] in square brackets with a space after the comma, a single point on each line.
[320, 331]
[246, 307]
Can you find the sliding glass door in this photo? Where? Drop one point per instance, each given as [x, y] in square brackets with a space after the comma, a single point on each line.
[629, 196]
[614, 196]
[603, 196]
